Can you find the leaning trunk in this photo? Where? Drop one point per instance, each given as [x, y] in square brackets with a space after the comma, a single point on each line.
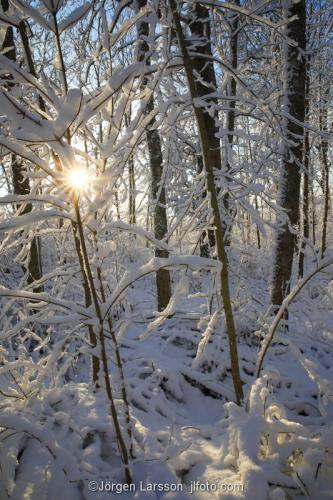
[209, 164]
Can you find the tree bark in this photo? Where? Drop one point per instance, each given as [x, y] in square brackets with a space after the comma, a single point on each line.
[324, 165]
[131, 182]
[231, 115]
[305, 201]
[209, 164]
[163, 283]
[21, 185]
[313, 206]
[206, 84]
[290, 176]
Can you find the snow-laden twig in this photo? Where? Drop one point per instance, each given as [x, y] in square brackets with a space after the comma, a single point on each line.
[284, 307]
[172, 262]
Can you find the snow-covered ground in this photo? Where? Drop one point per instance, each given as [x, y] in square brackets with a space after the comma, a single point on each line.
[190, 439]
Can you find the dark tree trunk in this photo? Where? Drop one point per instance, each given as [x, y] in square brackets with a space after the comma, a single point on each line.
[131, 182]
[209, 164]
[158, 198]
[160, 217]
[324, 166]
[234, 23]
[231, 115]
[305, 203]
[206, 84]
[257, 228]
[290, 176]
[313, 206]
[21, 185]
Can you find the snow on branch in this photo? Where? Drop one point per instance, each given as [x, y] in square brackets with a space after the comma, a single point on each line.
[192, 262]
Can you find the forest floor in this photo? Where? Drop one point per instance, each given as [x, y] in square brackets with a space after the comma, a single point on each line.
[186, 429]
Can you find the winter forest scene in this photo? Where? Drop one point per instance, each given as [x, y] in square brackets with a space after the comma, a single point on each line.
[166, 249]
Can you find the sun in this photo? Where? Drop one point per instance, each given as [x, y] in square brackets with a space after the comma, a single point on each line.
[78, 179]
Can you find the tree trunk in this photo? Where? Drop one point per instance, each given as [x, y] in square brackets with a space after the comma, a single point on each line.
[206, 84]
[290, 176]
[131, 182]
[234, 24]
[21, 185]
[313, 211]
[305, 204]
[158, 198]
[209, 164]
[257, 227]
[324, 166]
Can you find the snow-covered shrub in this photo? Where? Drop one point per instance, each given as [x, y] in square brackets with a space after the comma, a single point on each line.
[271, 453]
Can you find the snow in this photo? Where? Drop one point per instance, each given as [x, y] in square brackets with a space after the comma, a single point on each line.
[172, 390]
[182, 432]
[74, 17]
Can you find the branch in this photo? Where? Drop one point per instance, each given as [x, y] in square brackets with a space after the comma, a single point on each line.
[284, 306]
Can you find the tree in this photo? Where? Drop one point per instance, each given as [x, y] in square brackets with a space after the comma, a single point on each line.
[206, 84]
[20, 178]
[158, 197]
[209, 164]
[231, 115]
[324, 164]
[306, 176]
[294, 75]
